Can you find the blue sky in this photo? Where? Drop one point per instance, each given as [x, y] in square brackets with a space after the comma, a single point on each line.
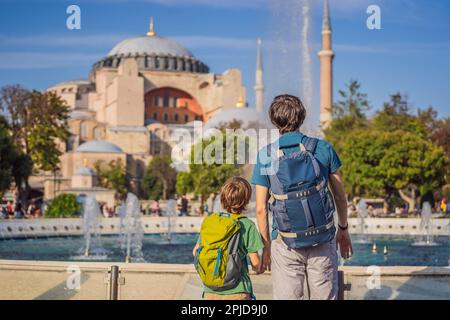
[410, 54]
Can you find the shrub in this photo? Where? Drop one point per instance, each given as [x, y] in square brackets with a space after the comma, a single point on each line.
[63, 206]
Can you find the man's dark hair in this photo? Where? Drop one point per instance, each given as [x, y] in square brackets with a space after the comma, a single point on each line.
[287, 113]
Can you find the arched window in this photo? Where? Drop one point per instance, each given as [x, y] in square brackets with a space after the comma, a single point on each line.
[176, 117]
[83, 130]
[166, 99]
[166, 117]
[186, 118]
[155, 116]
[70, 143]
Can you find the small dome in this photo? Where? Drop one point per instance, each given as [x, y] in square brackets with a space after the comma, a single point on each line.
[84, 171]
[99, 146]
[150, 45]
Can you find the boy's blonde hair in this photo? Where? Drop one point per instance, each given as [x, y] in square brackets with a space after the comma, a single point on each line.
[235, 195]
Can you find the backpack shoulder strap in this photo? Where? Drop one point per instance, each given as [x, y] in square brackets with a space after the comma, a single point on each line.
[311, 144]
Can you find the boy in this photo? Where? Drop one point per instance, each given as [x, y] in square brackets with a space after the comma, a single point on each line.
[234, 196]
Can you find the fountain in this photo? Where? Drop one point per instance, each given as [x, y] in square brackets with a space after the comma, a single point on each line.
[290, 62]
[362, 215]
[426, 223]
[91, 223]
[171, 211]
[132, 230]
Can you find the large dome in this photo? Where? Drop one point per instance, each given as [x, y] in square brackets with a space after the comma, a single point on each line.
[150, 45]
[153, 52]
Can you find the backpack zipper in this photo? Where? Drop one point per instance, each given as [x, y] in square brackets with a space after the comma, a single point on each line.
[216, 269]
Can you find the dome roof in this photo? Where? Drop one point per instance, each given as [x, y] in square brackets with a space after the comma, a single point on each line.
[84, 171]
[150, 45]
[99, 146]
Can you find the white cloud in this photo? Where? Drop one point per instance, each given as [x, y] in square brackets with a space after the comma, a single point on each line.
[202, 42]
[26, 60]
[204, 3]
[60, 40]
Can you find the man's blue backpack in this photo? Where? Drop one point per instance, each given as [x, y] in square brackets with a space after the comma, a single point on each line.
[300, 200]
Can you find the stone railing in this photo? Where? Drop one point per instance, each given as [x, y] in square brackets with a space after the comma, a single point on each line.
[43, 280]
[69, 227]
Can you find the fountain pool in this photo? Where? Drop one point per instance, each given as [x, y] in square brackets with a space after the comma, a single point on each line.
[157, 248]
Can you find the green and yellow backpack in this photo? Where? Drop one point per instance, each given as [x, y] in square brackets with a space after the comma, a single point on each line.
[217, 259]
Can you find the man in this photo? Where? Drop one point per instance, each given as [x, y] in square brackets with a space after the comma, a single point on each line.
[184, 206]
[317, 263]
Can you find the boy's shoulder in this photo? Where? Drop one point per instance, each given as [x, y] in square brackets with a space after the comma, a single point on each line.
[247, 223]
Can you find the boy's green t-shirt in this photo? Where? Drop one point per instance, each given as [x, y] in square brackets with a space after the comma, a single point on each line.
[250, 242]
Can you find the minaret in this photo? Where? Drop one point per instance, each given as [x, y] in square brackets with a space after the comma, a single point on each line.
[326, 56]
[259, 81]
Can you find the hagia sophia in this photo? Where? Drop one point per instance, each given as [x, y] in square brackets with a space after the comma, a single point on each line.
[142, 90]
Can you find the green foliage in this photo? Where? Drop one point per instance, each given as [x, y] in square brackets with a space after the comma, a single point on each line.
[38, 120]
[185, 183]
[376, 163]
[159, 178]
[113, 176]
[354, 103]
[441, 137]
[13, 164]
[7, 156]
[396, 116]
[49, 126]
[208, 168]
[394, 153]
[348, 114]
[65, 206]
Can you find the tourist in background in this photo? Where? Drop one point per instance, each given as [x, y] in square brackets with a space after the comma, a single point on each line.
[184, 206]
[443, 205]
[18, 211]
[3, 213]
[155, 209]
[30, 211]
[105, 211]
[10, 209]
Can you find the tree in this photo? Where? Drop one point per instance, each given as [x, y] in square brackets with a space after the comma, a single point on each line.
[348, 114]
[159, 178]
[441, 137]
[65, 206]
[206, 177]
[354, 103]
[113, 176]
[185, 183]
[414, 167]
[13, 165]
[37, 121]
[396, 116]
[7, 157]
[377, 163]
